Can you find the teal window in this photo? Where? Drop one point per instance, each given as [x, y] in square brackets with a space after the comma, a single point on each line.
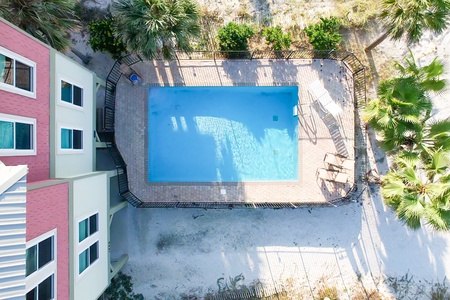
[16, 73]
[71, 139]
[39, 255]
[71, 93]
[31, 260]
[43, 291]
[87, 227]
[87, 257]
[83, 260]
[16, 135]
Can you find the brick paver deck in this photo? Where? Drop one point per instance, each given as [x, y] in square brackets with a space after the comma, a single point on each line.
[319, 133]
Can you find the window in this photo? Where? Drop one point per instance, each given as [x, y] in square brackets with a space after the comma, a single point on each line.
[87, 227]
[88, 244]
[71, 93]
[17, 135]
[43, 291]
[88, 257]
[17, 73]
[39, 255]
[71, 139]
[41, 267]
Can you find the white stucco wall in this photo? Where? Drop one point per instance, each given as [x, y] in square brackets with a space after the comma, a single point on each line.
[66, 163]
[90, 196]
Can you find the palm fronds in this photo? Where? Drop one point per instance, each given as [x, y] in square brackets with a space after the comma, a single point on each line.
[155, 28]
[47, 20]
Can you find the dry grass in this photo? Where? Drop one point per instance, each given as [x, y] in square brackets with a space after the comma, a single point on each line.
[363, 294]
[328, 292]
[357, 13]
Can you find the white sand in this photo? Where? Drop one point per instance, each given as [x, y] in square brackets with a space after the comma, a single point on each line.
[175, 252]
[290, 248]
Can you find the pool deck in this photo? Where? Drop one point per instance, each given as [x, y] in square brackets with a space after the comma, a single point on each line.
[319, 133]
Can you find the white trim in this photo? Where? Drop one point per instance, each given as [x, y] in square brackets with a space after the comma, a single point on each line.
[86, 244]
[60, 102]
[83, 243]
[26, 61]
[20, 119]
[34, 279]
[60, 150]
[90, 266]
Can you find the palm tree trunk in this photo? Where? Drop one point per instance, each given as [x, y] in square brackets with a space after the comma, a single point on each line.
[84, 58]
[377, 42]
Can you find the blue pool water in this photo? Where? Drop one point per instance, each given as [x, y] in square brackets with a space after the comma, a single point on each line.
[222, 134]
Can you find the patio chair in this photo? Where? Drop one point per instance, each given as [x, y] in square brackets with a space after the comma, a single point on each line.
[339, 161]
[332, 175]
[321, 95]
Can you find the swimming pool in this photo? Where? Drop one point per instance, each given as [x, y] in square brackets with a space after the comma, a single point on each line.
[222, 134]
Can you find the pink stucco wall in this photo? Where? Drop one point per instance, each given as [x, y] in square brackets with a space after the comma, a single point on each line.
[39, 108]
[47, 209]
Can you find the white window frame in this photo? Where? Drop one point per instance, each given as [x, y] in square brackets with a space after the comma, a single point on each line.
[17, 152]
[67, 104]
[86, 244]
[26, 61]
[58, 138]
[35, 278]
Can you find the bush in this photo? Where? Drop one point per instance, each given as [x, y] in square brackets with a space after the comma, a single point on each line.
[276, 38]
[325, 34]
[88, 14]
[234, 37]
[121, 288]
[102, 38]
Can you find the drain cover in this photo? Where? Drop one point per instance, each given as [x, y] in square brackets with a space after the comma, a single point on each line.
[275, 118]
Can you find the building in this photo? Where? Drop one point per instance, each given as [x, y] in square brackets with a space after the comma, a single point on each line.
[57, 245]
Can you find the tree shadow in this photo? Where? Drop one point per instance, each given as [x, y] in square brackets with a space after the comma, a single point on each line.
[242, 72]
[284, 72]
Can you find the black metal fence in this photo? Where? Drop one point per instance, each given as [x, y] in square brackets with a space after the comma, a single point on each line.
[350, 61]
[108, 124]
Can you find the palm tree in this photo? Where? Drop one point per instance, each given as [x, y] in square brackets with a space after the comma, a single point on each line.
[419, 192]
[427, 76]
[431, 137]
[412, 18]
[402, 110]
[47, 20]
[156, 27]
[398, 112]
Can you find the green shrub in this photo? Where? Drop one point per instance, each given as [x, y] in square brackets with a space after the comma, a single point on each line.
[325, 34]
[276, 38]
[102, 38]
[121, 288]
[234, 37]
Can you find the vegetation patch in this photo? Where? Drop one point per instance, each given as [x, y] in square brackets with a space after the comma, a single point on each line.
[234, 37]
[121, 288]
[103, 38]
[276, 39]
[325, 34]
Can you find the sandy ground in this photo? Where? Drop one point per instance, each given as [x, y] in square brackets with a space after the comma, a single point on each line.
[185, 252]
